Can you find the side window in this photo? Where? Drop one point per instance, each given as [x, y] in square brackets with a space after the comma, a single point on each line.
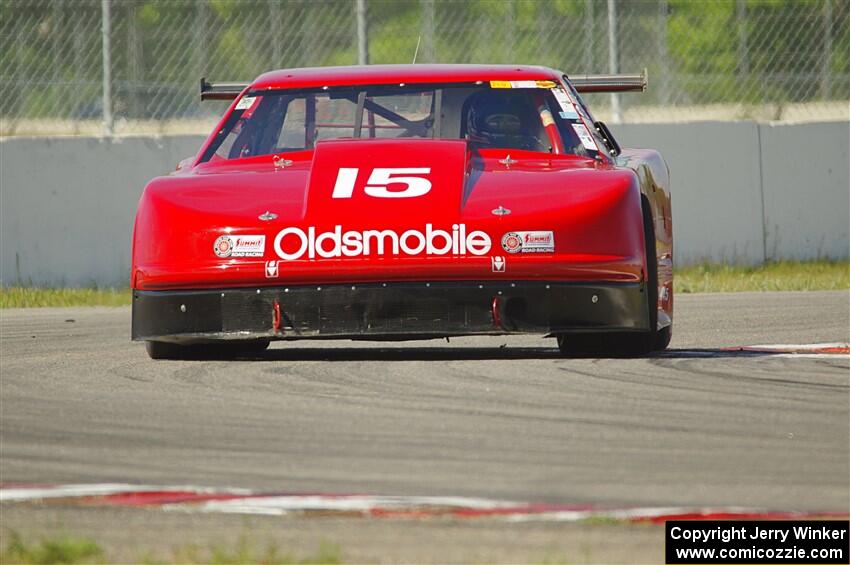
[245, 108]
[251, 130]
[586, 116]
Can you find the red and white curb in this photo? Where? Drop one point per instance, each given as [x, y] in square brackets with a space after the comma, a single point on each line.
[241, 501]
[835, 350]
[808, 350]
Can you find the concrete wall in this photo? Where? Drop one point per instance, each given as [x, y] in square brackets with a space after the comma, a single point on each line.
[746, 192]
[806, 194]
[67, 205]
[714, 179]
[742, 192]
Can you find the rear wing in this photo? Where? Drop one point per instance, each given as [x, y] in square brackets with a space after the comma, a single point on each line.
[221, 90]
[582, 83]
[609, 83]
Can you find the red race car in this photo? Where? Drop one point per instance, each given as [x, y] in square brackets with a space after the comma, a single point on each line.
[407, 202]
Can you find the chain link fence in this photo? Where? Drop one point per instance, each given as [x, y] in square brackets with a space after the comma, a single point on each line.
[722, 59]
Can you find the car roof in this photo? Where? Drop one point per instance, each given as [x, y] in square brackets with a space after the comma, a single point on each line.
[312, 77]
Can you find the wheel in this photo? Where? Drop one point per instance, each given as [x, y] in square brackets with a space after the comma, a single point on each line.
[626, 344]
[585, 345]
[164, 350]
[662, 338]
[608, 344]
[251, 346]
[167, 350]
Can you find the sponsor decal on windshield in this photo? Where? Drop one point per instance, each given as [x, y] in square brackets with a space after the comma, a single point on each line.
[529, 242]
[585, 137]
[292, 243]
[240, 246]
[522, 84]
[245, 103]
[564, 101]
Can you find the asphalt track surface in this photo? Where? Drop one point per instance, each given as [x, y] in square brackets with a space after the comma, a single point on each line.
[503, 418]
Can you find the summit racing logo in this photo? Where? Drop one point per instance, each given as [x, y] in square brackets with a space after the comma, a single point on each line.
[294, 243]
[240, 246]
[529, 242]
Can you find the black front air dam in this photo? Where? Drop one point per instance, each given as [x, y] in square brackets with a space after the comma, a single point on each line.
[388, 310]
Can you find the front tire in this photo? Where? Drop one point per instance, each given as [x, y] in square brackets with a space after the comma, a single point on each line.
[627, 344]
[662, 338]
[164, 350]
[608, 344]
[225, 349]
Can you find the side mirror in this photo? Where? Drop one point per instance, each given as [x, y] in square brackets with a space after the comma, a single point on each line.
[613, 147]
[184, 163]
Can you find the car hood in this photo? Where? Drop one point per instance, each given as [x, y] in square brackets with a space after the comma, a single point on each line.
[356, 186]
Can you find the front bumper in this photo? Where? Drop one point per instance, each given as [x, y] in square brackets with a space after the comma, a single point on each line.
[387, 311]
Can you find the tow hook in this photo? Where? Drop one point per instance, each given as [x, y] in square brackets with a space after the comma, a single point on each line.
[277, 319]
[496, 311]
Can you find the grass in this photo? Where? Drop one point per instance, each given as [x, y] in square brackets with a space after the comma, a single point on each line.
[63, 549]
[244, 552]
[72, 550]
[603, 521]
[33, 297]
[781, 275]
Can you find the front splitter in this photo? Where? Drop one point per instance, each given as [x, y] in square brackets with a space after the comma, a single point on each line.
[383, 311]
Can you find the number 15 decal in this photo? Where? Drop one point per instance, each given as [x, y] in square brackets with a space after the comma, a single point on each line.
[379, 181]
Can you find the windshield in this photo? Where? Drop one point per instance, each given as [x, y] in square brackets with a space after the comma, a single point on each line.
[535, 116]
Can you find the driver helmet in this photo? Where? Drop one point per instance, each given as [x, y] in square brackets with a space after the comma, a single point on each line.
[498, 119]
